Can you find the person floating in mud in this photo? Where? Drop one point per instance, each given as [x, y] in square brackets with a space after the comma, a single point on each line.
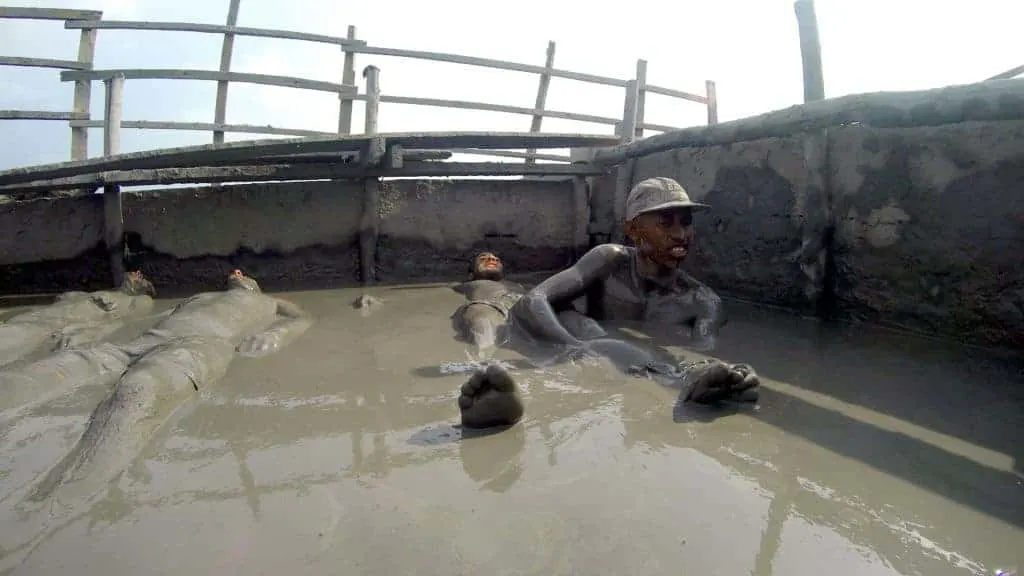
[187, 350]
[626, 283]
[75, 318]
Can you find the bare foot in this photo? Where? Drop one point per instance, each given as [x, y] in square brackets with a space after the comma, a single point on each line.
[715, 381]
[490, 398]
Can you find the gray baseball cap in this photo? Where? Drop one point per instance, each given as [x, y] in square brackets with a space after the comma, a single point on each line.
[655, 194]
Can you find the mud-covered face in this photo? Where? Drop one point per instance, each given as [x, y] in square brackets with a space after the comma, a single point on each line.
[487, 266]
[238, 280]
[664, 237]
[135, 284]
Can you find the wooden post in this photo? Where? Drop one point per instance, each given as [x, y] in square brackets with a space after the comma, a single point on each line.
[113, 218]
[220, 109]
[372, 75]
[810, 50]
[83, 93]
[112, 115]
[581, 204]
[624, 172]
[641, 87]
[712, 95]
[348, 78]
[542, 96]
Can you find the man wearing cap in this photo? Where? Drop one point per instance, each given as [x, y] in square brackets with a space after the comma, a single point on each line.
[642, 282]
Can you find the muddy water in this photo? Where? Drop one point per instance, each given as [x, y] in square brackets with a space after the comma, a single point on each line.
[871, 453]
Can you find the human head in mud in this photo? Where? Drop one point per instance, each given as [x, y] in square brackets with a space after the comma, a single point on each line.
[238, 280]
[659, 221]
[486, 266]
[135, 284]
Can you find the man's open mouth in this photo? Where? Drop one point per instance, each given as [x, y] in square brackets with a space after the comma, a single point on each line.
[679, 251]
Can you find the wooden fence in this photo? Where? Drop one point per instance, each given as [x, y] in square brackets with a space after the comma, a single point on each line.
[82, 72]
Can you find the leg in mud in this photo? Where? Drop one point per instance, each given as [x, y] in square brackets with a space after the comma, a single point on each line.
[490, 398]
[146, 397]
[27, 386]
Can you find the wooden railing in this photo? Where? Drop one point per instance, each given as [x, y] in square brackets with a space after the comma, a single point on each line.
[82, 72]
[1011, 73]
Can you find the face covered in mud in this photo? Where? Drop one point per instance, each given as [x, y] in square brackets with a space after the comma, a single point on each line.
[486, 266]
[663, 237]
[238, 280]
[135, 284]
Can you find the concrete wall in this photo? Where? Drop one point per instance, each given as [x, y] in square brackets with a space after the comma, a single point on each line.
[916, 227]
[289, 235]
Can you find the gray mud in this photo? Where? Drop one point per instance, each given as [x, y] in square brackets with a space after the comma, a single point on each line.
[871, 453]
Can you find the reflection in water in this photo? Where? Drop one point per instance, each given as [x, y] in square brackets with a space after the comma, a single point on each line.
[343, 451]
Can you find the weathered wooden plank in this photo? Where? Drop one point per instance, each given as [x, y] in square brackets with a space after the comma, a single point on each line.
[372, 75]
[810, 50]
[676, 94]
[220, 108]
[641, 95]
[212, 29]
[658, 127]
[15, 12]
[208, 154]
[712, 92]
[200, 175]
[488, 63]
[214, 75]
[511, 154]
[41, 63]
[83, 95]
[1011, 73]
[112, 112]
[990, 101]
[348, 78]
[38, 115]
[203, 127]
[369, 225]
[467, 105]
[542, 96]
[628, 127]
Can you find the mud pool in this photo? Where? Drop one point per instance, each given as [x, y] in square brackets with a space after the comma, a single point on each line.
[872, 453]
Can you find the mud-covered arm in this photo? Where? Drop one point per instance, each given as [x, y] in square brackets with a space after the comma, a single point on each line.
[291, 322]
[77, 335]
[710, 311]
[537, 310]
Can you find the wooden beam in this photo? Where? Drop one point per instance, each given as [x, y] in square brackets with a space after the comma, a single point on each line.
[210, 29]
[83, 95]
[372, 76]
[41, 63]
[220, 109]
[113, 231]
[112, 111]
[641, 95]
[1011, 73]
[628, 126]
[202, 126]
[676, 94]
[810, 50]
[935, 107]
[712, 97]
[467, 105]
[284, 172]
[348, 78]
[369, 224]
[542, 96]
[240, 152]
[38, 115]
[14, 12]
[511, 154]
[214, 75]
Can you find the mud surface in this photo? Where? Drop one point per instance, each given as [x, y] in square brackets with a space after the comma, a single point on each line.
[871, 453]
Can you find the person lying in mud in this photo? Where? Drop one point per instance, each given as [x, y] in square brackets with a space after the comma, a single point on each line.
[75, 318]
[186, 351]
[483, 319]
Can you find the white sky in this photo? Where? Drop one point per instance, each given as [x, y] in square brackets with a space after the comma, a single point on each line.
[749, 47]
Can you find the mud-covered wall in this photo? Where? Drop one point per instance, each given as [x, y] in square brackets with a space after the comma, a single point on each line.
[920, 227]
[288, 235]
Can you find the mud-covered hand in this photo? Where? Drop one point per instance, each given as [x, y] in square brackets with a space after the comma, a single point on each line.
[712, 381]
[260, 344]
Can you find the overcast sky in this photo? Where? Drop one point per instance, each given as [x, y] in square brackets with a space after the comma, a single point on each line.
[749, 47]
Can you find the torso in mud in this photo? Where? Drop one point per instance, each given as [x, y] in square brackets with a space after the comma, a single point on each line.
[231, 315]
[624, 295]
[499, 295]
[79, 307]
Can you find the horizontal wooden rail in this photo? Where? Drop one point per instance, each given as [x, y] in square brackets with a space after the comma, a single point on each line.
[676, 94]
[43, 63]
[467, 105]
[212, 29]
[202, 127]
[219, 174]
[511, 154]
[40, 115]
[214, 75]
[1011, 73]
[240, 152]
[14, 12]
